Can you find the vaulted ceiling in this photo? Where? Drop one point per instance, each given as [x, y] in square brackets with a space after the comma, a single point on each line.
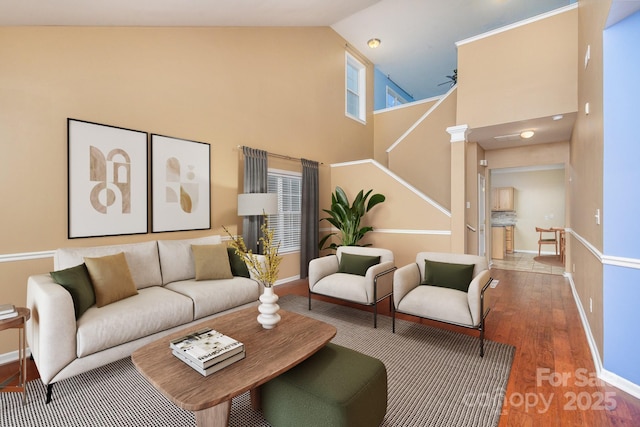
[418, 37]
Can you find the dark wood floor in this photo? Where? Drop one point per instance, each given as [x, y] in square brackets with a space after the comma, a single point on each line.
[552, 382]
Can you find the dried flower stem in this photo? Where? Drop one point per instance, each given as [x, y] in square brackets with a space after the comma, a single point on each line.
[267, 271]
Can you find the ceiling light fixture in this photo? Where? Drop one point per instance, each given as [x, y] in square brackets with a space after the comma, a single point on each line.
[373, 43]
[557, 117]
[527, 134]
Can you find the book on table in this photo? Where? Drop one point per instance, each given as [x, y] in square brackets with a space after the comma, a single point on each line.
[7, 308]
[7, 311]
[212, 368]
[207, 347]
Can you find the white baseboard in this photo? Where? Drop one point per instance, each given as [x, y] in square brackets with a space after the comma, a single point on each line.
[609, 377]
[585, 324]
[11, 357]
[621, 383]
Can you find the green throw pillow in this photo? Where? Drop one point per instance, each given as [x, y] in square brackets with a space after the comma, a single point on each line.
[76, 280]
[238, 266]
[448, 275]
[356, 264]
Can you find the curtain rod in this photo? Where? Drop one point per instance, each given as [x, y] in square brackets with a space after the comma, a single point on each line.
[280, 156]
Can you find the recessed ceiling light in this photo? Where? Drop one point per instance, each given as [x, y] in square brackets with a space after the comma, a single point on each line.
[558, 117]
[527, 134]
[373, 43]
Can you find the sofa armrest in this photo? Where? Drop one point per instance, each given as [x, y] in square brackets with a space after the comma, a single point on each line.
[322, 267]
[379, 280]
[405, 279]
[475, 296]
[51, 330]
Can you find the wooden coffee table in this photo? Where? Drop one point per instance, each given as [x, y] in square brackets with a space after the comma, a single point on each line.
[269, 352]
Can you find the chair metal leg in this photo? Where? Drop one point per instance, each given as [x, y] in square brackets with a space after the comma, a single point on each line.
[375, 315]
[49, 391]
[482, 337]
[393, 319]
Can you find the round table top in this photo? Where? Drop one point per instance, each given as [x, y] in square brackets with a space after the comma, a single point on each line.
[18, 321]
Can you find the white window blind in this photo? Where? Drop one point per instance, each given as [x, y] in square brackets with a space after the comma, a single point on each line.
[286, 223]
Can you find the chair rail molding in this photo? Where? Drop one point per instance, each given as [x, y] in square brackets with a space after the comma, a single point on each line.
[25, 256]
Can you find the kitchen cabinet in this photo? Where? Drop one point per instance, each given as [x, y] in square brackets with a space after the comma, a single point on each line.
[498, 248]
[509, 241]
[503, 199]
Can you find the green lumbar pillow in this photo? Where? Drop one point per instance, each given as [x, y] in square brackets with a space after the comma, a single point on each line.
[356, 264]
[448, 275]
[238, 266]
[76, 280]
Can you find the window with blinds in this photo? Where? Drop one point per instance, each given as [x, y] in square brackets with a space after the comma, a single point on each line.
[355, 89]
[286, 223]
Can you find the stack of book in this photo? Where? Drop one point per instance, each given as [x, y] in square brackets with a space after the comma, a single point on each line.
[7, 311]
[207, 351]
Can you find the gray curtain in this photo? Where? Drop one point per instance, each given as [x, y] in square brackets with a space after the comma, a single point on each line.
[255, 181]
[309, 216]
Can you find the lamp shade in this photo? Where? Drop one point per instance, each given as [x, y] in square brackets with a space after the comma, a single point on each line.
[257, 204]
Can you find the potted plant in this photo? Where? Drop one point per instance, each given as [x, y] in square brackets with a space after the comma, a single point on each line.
[265, 268]
[346, 217]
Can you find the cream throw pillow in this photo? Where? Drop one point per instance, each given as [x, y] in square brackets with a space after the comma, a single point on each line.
[111, 278]
[211, 262]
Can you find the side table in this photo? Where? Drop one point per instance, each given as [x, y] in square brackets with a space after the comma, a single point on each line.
[18, 322]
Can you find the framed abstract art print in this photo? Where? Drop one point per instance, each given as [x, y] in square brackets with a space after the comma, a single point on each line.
[181, 184]
[107, 180]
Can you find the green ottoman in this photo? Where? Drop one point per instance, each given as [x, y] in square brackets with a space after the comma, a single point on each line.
[335, 387]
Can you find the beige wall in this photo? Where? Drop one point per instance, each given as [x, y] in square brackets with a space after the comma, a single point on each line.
[279, 89]
[423, 157]
[404, 222]
[586, 174]
[525, 72]
[532, 155]
[391, 124]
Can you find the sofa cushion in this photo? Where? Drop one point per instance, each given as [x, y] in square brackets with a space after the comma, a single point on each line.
[448, 275]
[176, 257]
[445, 304]
[213, 296]
[356, 264]
[142, 259]
[238, 266]
[211, 262]
[111, 278]
[342, 285]
[76, 280]
[152, 310]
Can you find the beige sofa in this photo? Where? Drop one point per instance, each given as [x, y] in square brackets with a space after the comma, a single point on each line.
[168, 299]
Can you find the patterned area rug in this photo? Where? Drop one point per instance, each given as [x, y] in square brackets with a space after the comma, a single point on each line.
[436, 378]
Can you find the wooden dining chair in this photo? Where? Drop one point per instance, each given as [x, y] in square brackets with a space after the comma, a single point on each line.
[545, 239]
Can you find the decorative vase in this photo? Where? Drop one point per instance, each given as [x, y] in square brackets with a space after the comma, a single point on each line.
[268, 309]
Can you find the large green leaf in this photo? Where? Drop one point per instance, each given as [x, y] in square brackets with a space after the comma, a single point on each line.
[374, 200]
[346, 217]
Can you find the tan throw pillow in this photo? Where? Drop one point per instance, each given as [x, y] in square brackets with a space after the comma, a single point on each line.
[211, 262]
[111, 278]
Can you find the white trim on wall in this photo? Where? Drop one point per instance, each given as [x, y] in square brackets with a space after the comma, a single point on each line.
[611, 378]
[26, 256]
[399, 180]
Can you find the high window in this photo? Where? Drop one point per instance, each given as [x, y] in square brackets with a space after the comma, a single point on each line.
[286, 223]
[356, 75]
[393, 98]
